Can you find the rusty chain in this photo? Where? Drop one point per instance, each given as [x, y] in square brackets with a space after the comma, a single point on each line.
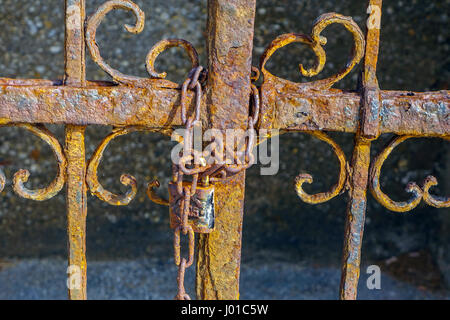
[200, 170]
[185, 192]
[220, 172]
[311, 107]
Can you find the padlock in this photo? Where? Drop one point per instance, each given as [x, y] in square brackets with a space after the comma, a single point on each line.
[201, 211]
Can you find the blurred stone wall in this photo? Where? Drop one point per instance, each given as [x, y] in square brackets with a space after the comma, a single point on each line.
[414, 56]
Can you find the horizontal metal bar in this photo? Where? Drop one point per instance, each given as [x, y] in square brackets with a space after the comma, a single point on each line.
[402, 112]
[157, 106]
[41, 101]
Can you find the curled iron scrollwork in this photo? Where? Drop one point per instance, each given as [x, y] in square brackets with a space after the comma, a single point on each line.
[21, 176]
[316, 42]
[126, 179]
[161, 46]
[91, 28]
[307, 178]
[418, 192]
[152, 194]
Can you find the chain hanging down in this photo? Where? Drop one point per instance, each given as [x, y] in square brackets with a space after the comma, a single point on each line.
[191, 191]
[183, 193]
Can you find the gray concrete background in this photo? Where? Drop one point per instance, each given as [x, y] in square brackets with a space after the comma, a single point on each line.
[278, 226]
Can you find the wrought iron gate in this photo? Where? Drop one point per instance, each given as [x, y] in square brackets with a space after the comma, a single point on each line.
[219, 98]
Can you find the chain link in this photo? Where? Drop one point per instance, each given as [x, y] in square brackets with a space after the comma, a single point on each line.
[224, 171]
[192, 163]
[180, 170]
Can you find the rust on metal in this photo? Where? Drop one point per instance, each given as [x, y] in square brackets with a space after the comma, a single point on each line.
[201, 215]
[152, 194]
[314, 108]
[162, 45]
[207, 198]
[74, 58]
[284, 107]
[229, 45]
[191, 204]
[126, 179]
[302, 112]
[183, 194]
[21, 176]
[307, 178]
[156, 105]
[76, 199]
[419, 193]
[2, 180]
[368, 130]
[315, 41]
[91, 28]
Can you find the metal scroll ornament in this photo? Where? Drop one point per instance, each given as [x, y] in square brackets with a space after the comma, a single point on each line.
[419, 193]
[91, 27]
[316, 42]
[21, 176]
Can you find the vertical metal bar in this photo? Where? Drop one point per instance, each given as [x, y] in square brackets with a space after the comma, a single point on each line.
[368, 130]
[230, 41]
[74, 43]
[75, 152]
[354, 226]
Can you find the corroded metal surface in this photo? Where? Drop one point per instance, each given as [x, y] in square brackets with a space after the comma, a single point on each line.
[284, 107]
[224, 97]
[166, 44]
[74, 58]
[94, 21]
[76, 199]
[21, 176]
[201, 205]
[306, 178]
[157, 105]
[91, 29]
[419, 193]
[229, 44]
[314, 107]
[128, 180]
[354, 226]
[367, 131]
[192, 198]
[315, 41]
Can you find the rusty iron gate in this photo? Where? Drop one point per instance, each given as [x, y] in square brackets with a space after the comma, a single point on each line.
[223, 96]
